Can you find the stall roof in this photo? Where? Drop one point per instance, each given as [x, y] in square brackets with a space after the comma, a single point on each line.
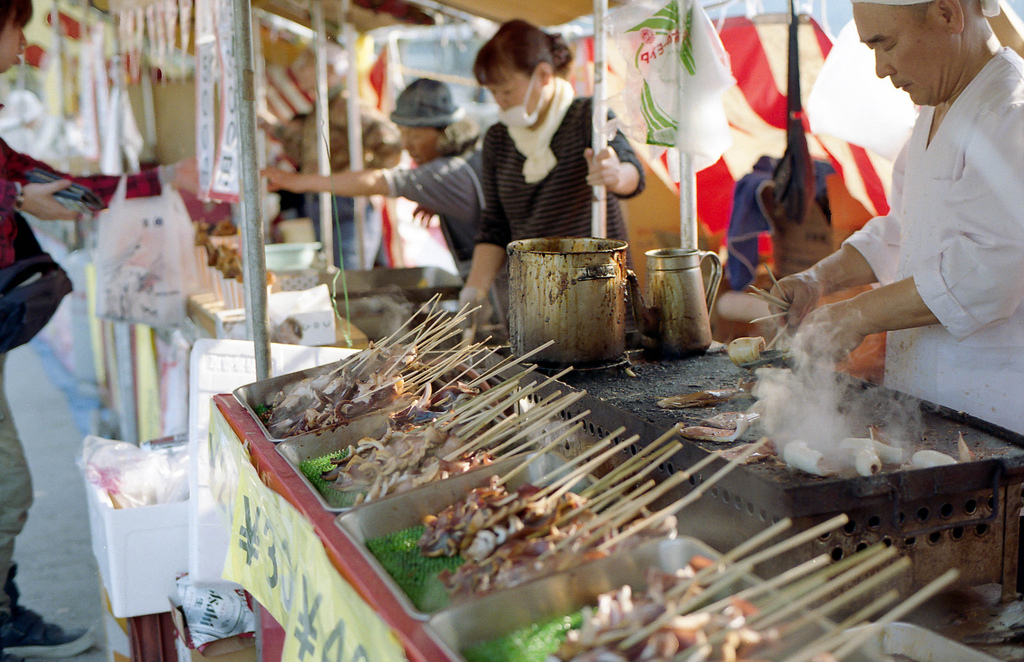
[540, 12]
[364, 14]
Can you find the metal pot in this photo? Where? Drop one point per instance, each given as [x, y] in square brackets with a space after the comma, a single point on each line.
[572, 291]
[677, 322]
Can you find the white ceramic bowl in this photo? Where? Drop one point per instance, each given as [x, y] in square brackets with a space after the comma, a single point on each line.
[291, 256]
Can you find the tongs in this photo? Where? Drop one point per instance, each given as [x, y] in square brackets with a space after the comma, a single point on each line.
[768, 357]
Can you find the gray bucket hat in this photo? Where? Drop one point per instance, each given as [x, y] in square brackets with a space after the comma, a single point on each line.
[426, 102]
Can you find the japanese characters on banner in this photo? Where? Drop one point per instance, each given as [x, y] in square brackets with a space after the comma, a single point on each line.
[278, 557]
[206, 121]
[226, 171]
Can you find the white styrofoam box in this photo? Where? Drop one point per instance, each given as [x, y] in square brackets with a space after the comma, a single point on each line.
[140, 552]
[221, 366]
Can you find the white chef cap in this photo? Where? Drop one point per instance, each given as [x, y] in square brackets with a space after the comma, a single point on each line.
[988, 7]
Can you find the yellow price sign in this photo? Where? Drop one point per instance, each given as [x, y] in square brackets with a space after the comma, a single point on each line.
[276, 555]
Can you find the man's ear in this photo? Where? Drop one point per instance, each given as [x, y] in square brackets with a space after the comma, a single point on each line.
[951, 14]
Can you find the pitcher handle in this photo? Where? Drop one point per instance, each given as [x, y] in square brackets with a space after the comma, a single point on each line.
[715, 278]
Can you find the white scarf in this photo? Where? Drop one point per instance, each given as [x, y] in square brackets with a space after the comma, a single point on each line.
[535, 144]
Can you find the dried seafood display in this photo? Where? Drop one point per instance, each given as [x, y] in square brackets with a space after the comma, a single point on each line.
[389, 376]
[509, 537]
[410, 455]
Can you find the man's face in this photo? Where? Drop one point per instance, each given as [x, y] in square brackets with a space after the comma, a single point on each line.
[421, 142]
[12, 45]
[913, 48]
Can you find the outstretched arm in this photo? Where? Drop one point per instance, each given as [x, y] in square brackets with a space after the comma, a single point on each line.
[349, 184]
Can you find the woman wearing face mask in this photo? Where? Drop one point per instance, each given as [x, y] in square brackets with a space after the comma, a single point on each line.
[538, 166]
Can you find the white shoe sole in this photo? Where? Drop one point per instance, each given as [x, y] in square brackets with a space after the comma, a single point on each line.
[65, 650]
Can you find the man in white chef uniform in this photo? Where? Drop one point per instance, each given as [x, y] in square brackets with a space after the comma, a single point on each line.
[949, 257]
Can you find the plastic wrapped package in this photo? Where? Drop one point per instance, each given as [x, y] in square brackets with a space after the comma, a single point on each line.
[134, 476]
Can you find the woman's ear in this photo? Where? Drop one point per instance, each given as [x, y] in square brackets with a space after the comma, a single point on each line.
[545, 73]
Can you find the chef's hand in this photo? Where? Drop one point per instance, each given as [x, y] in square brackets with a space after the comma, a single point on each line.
[423, 215]
[802, 291]
[603, 169]
[831, 332]
[38, 200]
[475, 304]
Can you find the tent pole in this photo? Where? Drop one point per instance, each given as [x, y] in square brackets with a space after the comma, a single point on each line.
[254, 263]
[355, 132]
[687, 175]
[323, 159]
[599, 206]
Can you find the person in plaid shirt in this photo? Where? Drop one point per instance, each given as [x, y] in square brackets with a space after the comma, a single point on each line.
[23, 631]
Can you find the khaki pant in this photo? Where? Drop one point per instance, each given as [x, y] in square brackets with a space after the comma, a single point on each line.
[15, 488]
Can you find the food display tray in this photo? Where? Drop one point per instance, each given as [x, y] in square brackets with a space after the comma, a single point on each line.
[491, 616]
[405, 510]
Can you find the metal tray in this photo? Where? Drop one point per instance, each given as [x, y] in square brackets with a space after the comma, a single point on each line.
[497, 614]
[402, 511]
[259, 393]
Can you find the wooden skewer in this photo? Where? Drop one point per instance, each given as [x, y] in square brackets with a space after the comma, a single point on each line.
[778, 334]
[845, 642]
[532, 421]
[772, 584]
[543, 419]
[540, 453]
[629, 466]
[769, 298]
[655, 461]
[734, 570]
[769, 317]
[775, 283]
[795, 605]
[563, 484]
[594, 449]
[599, 503]
[514, 360]
[527, 443]
[695, 494]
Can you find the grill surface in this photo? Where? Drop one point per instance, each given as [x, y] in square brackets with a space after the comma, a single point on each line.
[962, 515]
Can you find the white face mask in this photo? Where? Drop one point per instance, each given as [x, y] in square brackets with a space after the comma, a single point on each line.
[516, 116]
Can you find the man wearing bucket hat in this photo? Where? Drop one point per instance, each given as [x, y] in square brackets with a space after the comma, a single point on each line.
[947, 258]
[446, 181]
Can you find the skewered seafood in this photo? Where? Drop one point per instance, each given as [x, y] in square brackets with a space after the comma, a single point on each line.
[929, 458]
[707, 398]
[624, 611]
[799, 455]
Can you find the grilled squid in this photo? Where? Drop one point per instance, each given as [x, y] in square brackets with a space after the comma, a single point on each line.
[860, 453]
[799, 455]
[928, 459]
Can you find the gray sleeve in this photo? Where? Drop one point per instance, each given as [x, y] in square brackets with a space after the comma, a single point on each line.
[447, 186]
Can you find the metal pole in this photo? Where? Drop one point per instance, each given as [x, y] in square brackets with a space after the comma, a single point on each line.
[323, 133]
[599, 207]
[254, 263]
[260, 66]
[355, 131]
[687, 175]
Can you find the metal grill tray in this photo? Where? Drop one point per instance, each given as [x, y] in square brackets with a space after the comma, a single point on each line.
[402, 511]
[497, 614]
[251, 396]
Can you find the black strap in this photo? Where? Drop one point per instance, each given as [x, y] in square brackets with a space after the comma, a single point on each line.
[25, 243]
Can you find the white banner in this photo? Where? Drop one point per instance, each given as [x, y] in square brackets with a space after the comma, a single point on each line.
[206, 63]
[226, 173]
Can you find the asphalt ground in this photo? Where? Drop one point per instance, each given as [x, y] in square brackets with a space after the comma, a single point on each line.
[57, 572]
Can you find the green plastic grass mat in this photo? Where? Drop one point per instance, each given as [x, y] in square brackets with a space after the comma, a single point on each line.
[414, 573]
[532, 643]
[313, 467]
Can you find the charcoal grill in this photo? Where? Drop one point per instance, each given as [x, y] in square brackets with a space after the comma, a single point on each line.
[963, 516]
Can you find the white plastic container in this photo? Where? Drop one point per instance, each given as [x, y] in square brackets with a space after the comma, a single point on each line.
[140, 552]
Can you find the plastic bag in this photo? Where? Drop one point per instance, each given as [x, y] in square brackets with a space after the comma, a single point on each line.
[133, 476]
[848, 101]
[213, 614]
[145, 264]
[677, 71]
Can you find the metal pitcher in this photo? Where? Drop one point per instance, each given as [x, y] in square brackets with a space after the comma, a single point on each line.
[677, 322]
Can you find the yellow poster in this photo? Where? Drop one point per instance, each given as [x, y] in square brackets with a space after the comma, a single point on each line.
[277, 556]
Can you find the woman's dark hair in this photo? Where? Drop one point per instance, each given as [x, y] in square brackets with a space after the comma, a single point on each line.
[520, 46]
[19, 10]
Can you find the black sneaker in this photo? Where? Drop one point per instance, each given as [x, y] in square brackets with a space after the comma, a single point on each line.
[27, 634]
